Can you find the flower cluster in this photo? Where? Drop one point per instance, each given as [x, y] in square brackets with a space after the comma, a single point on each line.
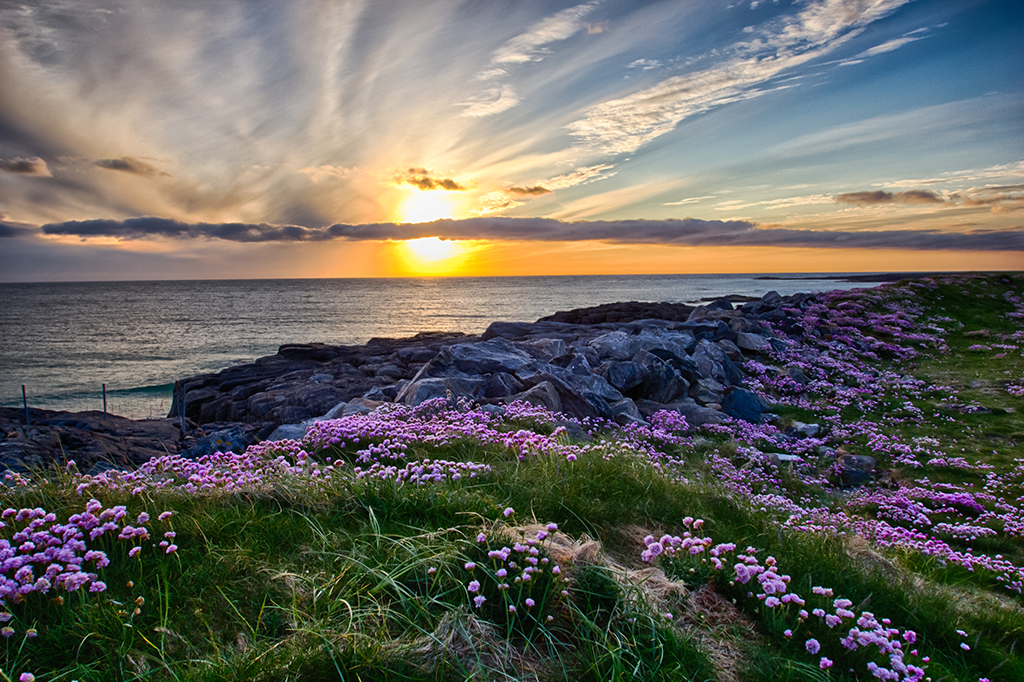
[40, 554]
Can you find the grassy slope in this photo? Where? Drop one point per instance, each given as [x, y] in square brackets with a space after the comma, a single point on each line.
[310, 577]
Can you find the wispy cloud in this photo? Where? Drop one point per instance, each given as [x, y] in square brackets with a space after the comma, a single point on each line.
[877, 197]
[33, 167]
[426, 180]
[531, 46]
[129, 164]
[686, 232]
[623, 125]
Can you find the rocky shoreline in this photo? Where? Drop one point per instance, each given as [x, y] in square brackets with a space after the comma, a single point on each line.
[621, 362]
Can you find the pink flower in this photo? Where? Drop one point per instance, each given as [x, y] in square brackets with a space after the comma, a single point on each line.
[825, 663]
[479, 600]
[474, 586]
[529, 602]
[813, 646]
[509, 511]
[470, 566]
[26, 677]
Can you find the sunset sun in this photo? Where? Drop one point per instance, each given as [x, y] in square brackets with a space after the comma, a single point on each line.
[432, 249]
[423, 207]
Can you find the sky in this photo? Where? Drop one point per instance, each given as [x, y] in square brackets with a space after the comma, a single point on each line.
[208, 139]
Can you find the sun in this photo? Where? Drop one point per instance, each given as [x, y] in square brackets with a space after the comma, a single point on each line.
[424, 207]
[430, 249]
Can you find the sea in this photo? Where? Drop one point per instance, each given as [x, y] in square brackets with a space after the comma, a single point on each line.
[121, 345]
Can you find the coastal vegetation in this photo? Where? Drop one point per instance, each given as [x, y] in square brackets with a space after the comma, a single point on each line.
[869, 527]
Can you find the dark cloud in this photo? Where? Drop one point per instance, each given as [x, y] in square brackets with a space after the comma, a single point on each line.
[914, 196]
[536, 191]
[10, 230]
[34, 167]
[149, 227]
[129, 164]
[686, 232]
[425, 180]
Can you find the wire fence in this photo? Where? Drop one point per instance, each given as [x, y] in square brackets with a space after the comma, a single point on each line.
[133, 403]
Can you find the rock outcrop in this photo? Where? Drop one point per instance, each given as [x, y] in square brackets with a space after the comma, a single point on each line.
[619, 362]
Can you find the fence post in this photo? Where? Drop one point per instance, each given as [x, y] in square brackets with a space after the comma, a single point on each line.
[104, 398]
[24, 401]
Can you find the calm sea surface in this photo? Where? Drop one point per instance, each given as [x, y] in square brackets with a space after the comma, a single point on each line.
[63, 341]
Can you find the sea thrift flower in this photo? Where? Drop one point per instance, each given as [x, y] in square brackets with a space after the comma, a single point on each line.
[812, 646]
[509, 511]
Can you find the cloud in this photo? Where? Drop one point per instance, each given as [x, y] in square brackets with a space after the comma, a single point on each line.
[535, 191]
[874, 198]
[530, 46]
[151, 227]
[10, 229]
[621, 126]
[425, 180]
[685, 232]
[644, 64]
[129, 164]
[889, 46]
[326, 171]
[490, 102]
[32, 167]
[580, 176]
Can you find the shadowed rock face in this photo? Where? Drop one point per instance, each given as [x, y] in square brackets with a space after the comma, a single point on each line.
[620, 362]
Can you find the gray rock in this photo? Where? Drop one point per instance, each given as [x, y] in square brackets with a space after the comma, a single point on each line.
[501, 384]
[753, 342]
[227, 440]
[483, 357]
[626, 412]
[797, 375]
[421, 390]
[623, 375]
[663, 383]
[543, 394]
[731, 350]
[707, 391]
[360, 406]
[742, 404]
[288, 432]
[855, 470]
[544, 349]
[695, 414]
[617, 345]
[322, 378]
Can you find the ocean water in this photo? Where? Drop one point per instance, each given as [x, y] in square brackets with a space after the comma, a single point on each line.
[64, 341]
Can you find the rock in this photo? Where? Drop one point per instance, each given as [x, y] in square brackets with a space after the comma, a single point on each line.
[731, 350]
[623, 375]
[544, 349]
[707, 391]
[695, 415]
[804, 430]
[543, 394]
[742, 404]
[626, 412]
[233, 439]
[288, 432]
[855, 470]
[797, 375]
[663, 383]
[502, 384]
[622, 312]
[483, 357]
[419, 391]
[615, 345]
[753, 342]
[360, 406]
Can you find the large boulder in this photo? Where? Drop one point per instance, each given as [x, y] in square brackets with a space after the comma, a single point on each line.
[483, 357]
[623, 375]
[743, 404]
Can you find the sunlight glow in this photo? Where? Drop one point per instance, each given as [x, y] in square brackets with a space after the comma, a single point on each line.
[423, 207]
[431, 249]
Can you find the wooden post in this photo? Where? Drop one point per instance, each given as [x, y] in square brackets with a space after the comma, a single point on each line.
[24, 401]
[104, 398]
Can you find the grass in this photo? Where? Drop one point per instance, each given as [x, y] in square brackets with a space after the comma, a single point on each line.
[314, 572]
